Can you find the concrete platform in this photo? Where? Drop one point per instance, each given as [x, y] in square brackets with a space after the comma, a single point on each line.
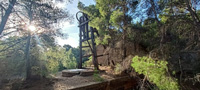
[81, 72]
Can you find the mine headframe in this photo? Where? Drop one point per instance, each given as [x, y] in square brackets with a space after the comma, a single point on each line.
[86, 34]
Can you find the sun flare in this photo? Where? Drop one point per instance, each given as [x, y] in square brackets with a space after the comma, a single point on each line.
[60, 5]
[32, 28]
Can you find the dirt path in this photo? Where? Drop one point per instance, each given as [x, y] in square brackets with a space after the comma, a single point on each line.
[57, 82]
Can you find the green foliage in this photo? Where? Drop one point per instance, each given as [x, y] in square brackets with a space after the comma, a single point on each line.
[70, 61]
[116, 18]
[52, 60]
[88, 63]
[165, 27]
[68, 47]
[109, 17]
[118, 68]
[12, 63]
[155, 71]
[59, 58]
[43, 60]
[97, 77]
[163, 18]
[74, 54]
[151, 36]
[44, 15]
[104, 41]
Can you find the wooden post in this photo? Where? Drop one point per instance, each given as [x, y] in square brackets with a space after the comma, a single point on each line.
[80, 44]
[87, 32]
[95, 62]
[84, 30]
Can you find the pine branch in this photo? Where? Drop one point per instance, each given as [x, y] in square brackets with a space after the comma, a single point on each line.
[10, 46]
[20, 39]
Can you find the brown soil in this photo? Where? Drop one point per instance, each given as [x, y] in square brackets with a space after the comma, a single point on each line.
[57, 82]
[63, 83]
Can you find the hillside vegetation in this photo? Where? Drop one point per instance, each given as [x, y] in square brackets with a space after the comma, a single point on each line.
[165, 32]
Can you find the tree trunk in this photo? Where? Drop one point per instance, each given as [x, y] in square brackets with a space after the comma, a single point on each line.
[154, 11]
[163, 32]
[7, 14]
[192, 12]
[124, 31]
[195, 18]
[28, 67]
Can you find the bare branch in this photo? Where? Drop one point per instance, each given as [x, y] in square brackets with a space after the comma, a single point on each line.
[7, 14]
[7, 33]
[1, 6]
[20, 39]
[14, 51]
[10, 46]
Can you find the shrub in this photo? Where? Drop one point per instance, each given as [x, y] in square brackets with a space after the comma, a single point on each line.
[155, 71]
[118, 68]
[97, 77]
[88, 63]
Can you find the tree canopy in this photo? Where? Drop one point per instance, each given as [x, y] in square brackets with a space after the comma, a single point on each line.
[166, 33]
[165, 29]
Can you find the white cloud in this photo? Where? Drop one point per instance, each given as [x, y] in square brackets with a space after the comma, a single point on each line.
[67, 25]
[60, 5]
[71, 41]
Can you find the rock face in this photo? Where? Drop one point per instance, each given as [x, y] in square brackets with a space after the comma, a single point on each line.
[113, 54]
[102, 59]
[126, 64]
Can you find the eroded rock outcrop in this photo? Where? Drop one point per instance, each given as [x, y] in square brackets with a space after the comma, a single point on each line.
[111, 55]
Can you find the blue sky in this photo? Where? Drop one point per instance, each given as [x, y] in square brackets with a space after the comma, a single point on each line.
[72, 29]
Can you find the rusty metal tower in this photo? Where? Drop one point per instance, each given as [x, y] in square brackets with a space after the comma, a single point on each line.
[86, 34]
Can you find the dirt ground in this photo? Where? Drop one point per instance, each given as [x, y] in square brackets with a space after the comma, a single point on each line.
[63, 83]
[57, 82]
